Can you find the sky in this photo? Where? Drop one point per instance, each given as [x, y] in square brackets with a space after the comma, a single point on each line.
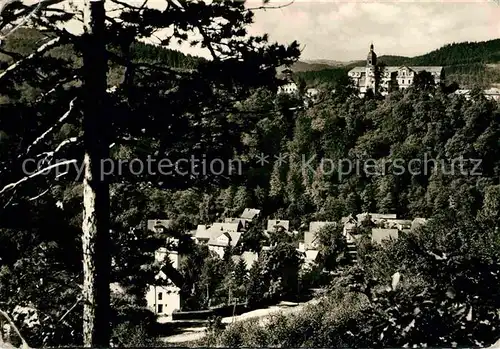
[343, 31]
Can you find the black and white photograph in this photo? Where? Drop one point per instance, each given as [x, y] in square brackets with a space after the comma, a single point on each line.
[249, 174]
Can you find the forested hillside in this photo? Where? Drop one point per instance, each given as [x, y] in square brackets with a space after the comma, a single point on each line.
[25, 40]
[467, 63]
[415, 154]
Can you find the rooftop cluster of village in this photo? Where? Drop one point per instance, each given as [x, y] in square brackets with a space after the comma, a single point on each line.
[226, 237]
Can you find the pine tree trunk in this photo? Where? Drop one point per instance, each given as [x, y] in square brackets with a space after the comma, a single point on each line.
[95, 226]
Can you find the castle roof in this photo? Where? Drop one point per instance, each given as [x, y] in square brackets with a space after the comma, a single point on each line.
[394, 68]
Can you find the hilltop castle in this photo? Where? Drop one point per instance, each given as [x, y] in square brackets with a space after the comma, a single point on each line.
[388, 78]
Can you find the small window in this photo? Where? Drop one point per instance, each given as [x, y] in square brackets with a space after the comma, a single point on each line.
[160, 308]
[160, 296]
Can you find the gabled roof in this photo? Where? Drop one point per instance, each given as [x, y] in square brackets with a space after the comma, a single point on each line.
[311, 255]
[221, 227]
[169, 273]
[202, 232]
[314, 227]
[398, 222]
[250, 213]
[233, 237]
[350, 226]
[375, 216]
[309, 239]
[430, 69]
[241, 221]
[358, 70]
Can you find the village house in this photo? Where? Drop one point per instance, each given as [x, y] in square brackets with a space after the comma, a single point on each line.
[219, 242]
[205, 232]
[289, 86]
[383, 226]
[163, 296]
[311, 96]
[219, 236]
[202, 235]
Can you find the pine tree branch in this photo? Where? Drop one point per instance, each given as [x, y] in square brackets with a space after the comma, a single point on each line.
[56, 87]
[58, 123]
[71, 309]
[10, 200]
[38, 53]
[39, 172]
[130, 7]
[23, 21]
[50, 154]
[265, 7]
[39, 195]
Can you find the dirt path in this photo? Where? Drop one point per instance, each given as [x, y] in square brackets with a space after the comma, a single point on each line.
[197, 333]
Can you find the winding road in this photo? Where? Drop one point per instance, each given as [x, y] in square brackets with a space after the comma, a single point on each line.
[197, 333]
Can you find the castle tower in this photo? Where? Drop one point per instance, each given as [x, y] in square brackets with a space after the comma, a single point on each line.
[371, 62]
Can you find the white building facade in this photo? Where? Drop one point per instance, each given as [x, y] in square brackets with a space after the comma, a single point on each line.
[389, 78]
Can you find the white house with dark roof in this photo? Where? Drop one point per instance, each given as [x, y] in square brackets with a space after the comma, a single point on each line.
[220, 241]
[163, 295]
[390, 77]
[289, 86]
